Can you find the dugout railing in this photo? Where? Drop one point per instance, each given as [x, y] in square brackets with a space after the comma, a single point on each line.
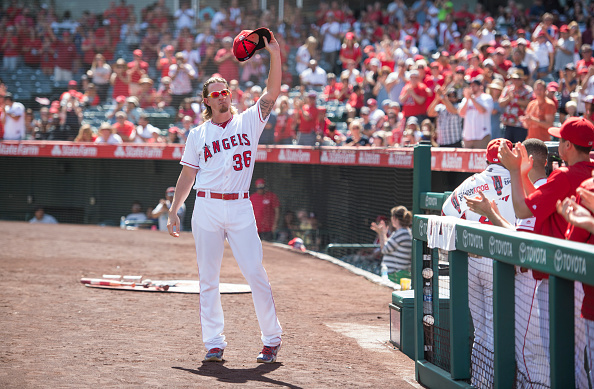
[565, 261]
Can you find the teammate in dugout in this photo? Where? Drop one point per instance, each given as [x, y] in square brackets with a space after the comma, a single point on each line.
[576, 138]
[494, 183]
[219, 156]
[266, 210]
[531, 359]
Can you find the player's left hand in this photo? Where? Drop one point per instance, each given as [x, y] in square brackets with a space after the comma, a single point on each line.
[173, 225]
[272, 46]
[480, 205]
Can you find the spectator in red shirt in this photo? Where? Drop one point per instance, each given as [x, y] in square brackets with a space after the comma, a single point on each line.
[120, 79]
[587, 60]
[72, 92]
[228, 64]
[308, 121]
[150, 44]
[47, 56]
[10, 49]
[66, 53]
[166, 59]
[332, 89]
[344, 91]
[88, 48]
[137, 69]
[146, 94]
[356, 101]
[284, 129]
[266, 210]
[124, 128]
[502, 64]
[414, 96]
[350, 51]
[31, 49]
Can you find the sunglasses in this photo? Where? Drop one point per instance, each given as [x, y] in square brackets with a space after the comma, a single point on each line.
[224, 93]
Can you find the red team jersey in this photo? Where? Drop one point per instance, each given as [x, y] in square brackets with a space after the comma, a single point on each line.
[264, 206]
[580, 235]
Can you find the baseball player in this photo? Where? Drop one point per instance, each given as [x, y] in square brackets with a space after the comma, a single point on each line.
[531, 358]
[219, 156]
[576, 139]
[580, 214]
[494, 184]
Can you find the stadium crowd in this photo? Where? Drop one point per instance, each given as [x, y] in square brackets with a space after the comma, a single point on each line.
[390, 74]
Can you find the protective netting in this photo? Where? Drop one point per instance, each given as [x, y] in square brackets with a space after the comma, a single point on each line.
[323, 204]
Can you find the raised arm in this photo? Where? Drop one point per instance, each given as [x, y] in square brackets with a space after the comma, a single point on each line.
[273, 84]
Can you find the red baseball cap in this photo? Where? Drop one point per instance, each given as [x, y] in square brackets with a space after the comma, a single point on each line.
[371, 102]
[247, 42]
[460, 69]
[490, 50]
[349, 35]
[489, 19]
[445, 54]
[576, 130]
[171, 189]
[72, 83]
[564, 28]
[493, 149]
[137, 52]
[553, 86]
[521, 31]
[120, 99]
[260, 183]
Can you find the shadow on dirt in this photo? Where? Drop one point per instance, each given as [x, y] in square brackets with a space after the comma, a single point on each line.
[238, 376]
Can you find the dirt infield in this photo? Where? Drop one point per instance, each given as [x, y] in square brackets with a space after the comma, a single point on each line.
[57, 333]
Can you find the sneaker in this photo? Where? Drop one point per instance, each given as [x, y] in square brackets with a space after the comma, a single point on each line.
[268, 354]
[214, 355]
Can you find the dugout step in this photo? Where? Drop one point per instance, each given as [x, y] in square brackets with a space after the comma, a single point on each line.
[402, 315]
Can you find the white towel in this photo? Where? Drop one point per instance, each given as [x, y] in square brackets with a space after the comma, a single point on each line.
[441, 232]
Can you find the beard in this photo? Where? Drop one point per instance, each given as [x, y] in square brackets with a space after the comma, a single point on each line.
[224, 108]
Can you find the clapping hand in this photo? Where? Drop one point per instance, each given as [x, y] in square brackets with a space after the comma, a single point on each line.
[511, 159]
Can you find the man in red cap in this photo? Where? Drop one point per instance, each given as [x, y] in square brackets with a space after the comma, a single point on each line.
[266, 210]
[494, 184]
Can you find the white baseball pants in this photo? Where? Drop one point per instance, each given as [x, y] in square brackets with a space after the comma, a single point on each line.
[214, 220]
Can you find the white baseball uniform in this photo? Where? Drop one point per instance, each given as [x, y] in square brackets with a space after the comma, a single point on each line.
[531, 356]
[224, 156]
[495, 184]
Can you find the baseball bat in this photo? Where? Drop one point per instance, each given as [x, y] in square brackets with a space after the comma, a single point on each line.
[100, 281]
